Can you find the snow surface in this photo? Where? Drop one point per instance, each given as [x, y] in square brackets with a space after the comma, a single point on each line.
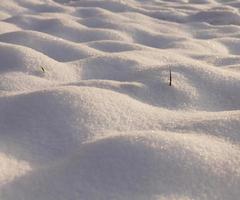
[86, 112]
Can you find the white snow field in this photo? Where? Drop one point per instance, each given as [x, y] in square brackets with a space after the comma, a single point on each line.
[86, 110]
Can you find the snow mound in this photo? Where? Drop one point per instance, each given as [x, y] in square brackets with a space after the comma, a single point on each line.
[142, 165]
[217, 17]
[59, 50]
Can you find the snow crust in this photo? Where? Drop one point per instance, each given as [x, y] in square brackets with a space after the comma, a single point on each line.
[86, 110]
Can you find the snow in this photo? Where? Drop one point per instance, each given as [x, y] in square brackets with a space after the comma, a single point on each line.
[86, 110]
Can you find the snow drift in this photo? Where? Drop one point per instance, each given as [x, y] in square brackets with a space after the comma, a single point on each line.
[86, 109]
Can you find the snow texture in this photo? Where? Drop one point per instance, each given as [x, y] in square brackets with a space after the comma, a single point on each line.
[86, 110]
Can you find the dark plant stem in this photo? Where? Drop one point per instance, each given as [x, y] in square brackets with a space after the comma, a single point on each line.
[170, 77]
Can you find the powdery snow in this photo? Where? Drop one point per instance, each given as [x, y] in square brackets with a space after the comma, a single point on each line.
[86, 108]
